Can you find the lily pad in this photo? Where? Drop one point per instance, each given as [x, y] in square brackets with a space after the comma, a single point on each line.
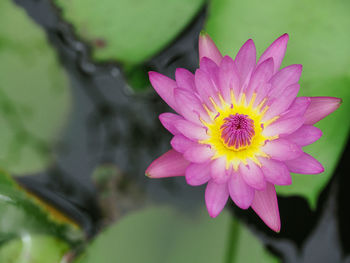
[129, 31]
[163, 234]
[34, 249]
[34, 93]
[23, 213]
[317, 41]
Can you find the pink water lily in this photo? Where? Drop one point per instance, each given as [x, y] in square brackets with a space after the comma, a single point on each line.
[239, 127]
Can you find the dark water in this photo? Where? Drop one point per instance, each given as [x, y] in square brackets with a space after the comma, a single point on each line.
[112, 126]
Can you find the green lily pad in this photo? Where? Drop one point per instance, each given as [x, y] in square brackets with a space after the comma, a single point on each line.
[24, 213]
[34, 93]
[34, 249]
[162, 234]
[246, 247]
[328, 149]
[317, 42]
[129, 31]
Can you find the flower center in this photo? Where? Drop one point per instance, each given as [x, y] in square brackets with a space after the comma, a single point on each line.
[237, 131]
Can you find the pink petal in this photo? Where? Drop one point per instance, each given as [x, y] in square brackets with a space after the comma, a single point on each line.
[191, 130]
[282, 149]
[199, 153]
[262, 94]
[252, 175]
[212, 72]
[184, 79]
[320, 107]
[246, 61]
[275, 172]
[297, 108]
[285, 77]
[218, 170]
[164, 86]
[241, 193]
[209, 67]
[169, 164]
[207, 48]
[281, 104]
[305, 135]
[276, 51]
[266, 206]
[260, 77]
[283, 126]
[168, 120]
[198, 173]
[216, 196]
[180, 143]
[191, 108]
[305, 164]
[205, 87]
[228, 79]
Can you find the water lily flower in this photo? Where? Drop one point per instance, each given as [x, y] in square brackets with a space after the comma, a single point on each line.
[239, 127]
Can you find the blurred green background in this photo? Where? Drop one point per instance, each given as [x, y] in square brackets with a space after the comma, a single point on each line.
[36, 105]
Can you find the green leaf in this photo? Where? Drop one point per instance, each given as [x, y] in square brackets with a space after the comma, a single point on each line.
[34, 93]
[317, 42]
[34, 249]
[129, 31]
[329, 148]
[246, 247]
[163, 234]
[25, 213]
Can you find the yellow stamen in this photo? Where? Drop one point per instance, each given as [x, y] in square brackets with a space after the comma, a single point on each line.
[264, 110]
[261, 104]
[243, 99]
[210, 113]
[216, 107]
[252, 100]
[267, 123]
[222, 101]
[233, 99]
[249, 152]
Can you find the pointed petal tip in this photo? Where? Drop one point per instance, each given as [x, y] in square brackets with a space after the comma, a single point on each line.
[334, 100]
[265, 206]
[274, 226]
[321, 170]
[180, 71]
[284, 36]
[207, 48]
[148, 171]
[276, 50]
[152, 73]
[321, 107]
[216, 196]
[298, 67]
[305, 164]
[339, 100]
[203, 33]
[169, 164]
[276, 229]
[213, 215]
[269, 63]
[248, 46]
[249, 42]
